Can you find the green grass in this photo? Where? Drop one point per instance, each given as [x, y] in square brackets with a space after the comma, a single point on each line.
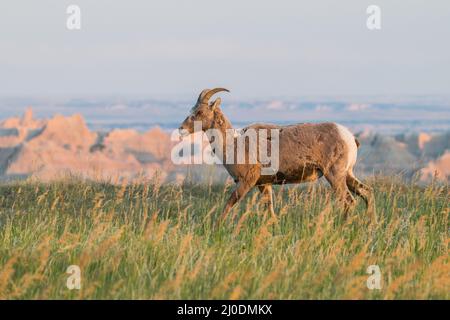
[159, 242]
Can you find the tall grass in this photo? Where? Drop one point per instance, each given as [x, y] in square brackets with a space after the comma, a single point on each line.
[152, 241]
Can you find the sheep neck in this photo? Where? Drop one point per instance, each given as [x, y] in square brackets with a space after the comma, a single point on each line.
[222, 124]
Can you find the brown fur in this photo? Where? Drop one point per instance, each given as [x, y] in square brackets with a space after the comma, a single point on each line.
[307, 152]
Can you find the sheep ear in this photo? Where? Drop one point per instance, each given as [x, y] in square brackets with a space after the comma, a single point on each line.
[216, 104]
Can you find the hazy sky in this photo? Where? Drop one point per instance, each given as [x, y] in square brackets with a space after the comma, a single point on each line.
[256, 48]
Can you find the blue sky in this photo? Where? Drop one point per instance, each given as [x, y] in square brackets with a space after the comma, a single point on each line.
[168, 48]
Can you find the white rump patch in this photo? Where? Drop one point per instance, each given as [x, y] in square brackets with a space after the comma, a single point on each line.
[349, 140]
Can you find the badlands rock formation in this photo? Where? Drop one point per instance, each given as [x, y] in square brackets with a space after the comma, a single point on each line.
[407, 154]
[439, 169]
[53, 148]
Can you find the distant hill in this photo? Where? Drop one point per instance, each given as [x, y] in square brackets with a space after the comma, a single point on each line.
[380, 114]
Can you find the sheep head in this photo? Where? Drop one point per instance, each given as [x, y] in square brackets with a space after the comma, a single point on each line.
[203, 111]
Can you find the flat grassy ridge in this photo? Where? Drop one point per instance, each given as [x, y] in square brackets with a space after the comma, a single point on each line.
[152, 241]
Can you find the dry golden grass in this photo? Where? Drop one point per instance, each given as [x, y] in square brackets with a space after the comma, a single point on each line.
[155, 241]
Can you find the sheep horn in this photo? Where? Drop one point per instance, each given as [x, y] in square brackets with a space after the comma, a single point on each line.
[202, 94]
[206, 95]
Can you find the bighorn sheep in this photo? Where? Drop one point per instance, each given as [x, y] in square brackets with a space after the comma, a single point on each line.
[306, 152]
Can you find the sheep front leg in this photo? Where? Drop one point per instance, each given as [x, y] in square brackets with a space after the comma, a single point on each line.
[241, 190]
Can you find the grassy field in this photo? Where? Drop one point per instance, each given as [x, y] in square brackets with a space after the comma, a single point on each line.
[159, 242]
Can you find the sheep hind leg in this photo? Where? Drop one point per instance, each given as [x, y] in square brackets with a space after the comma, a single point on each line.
[267, 198]
[365, 192]
[339, 186]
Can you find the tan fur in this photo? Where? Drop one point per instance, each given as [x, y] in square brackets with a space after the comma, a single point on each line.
[306, 153]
